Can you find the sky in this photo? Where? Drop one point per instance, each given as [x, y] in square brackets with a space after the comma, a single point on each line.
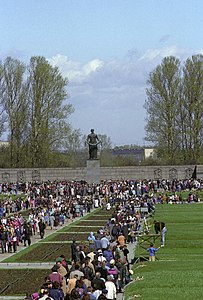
[106, 49]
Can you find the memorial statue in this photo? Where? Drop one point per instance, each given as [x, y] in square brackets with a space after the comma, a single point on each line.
[93, 141]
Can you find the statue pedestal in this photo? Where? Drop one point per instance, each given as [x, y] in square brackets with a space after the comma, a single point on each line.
[93, 171]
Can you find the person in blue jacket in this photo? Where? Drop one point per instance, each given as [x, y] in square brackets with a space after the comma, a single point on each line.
[152, 251]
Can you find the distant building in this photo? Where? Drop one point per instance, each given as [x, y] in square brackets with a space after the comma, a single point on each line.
[149, 152]
[139, 154]
[4, 144]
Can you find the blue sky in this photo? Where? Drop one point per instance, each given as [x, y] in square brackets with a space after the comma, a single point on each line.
[106, 48]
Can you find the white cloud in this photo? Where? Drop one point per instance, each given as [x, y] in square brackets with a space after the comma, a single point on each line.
[109, 96]
[152, 54]
[75, 71]
[199, 51]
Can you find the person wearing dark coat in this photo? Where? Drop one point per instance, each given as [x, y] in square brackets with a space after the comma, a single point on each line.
[42, 227]
[3, 239]
[73, 251]
[108, 254]
[116, 230]
[56, 292]
[125, 230]
[27, 233]
[158, 226]
[98, 283]
[102, 270]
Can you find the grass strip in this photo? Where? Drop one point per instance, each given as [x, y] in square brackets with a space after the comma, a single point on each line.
[178, 272]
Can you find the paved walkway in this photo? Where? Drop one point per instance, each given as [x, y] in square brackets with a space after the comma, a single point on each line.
[131, 248]
[34, 239]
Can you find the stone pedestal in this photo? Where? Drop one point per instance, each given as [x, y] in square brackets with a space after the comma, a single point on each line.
[93, 171]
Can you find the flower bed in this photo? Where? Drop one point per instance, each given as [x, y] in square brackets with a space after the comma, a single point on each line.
[70, 236]
[44, 252]
[104, 212]
[29, 281]
[83, 228]
[92, 222]
[99, 217]
[21, 281]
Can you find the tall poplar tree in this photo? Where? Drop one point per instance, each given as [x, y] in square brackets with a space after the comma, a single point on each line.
[193, 107]
[13, 92]
[48, 114]
[163, 94]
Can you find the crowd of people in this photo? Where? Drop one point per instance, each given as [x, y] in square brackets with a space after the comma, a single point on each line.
[50, 203]
[100, 270]
[38, 191]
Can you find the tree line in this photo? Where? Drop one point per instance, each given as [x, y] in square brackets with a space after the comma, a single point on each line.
[174, 107]
[34, 117]
[34, 114]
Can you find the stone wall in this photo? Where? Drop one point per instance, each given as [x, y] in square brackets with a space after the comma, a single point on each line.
[153, 172]
[117, 173]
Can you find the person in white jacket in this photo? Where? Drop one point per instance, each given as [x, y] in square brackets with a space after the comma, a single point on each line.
[111, 288]
[163, 232]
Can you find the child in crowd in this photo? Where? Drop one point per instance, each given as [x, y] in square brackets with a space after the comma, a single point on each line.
[152, 251]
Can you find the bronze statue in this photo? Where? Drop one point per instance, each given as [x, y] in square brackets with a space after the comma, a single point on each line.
[93, 141]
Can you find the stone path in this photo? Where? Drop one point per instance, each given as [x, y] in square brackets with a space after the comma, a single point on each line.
[34, 239]
[131, 248]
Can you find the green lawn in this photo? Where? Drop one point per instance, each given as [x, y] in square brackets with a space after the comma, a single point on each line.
[183, 194]
[178, 274]
[14, 197]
